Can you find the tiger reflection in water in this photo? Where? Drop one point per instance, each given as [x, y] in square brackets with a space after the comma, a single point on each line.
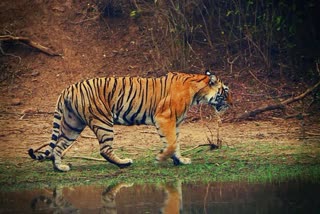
[109, 198]
[58, 203]
[173, 202]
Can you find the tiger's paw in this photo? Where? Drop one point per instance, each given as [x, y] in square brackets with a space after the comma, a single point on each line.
[125, 163]
[160, 157]
[180, 160]
[62, 167]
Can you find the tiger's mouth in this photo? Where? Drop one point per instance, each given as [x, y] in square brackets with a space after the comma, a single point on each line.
[220, 107]
[219, 104]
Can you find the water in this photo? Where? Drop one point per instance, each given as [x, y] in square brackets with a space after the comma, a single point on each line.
[284, 197]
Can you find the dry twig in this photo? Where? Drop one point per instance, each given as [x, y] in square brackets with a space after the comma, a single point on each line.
[195, 147]
[210, 141]
[231, 62]
[47, 144]
[254, 76]
[265, 59]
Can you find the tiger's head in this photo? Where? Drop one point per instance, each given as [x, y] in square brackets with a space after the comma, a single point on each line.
[215, 93]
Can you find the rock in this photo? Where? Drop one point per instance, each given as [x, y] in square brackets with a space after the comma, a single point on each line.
[35, 73]
[16, 102]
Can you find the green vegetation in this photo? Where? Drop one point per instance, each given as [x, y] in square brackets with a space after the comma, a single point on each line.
[251, 162]
[270, 34]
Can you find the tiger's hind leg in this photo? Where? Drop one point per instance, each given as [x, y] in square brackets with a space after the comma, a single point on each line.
[71, 127]
[104, 133]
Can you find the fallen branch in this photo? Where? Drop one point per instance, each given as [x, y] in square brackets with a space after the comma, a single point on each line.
[254, 76]
[265, 59]
[42, 146]
[88, 158]
[281, 105]
[30, 43]
[68, 148]
[200, 145]
[47, 144]
[88, 136]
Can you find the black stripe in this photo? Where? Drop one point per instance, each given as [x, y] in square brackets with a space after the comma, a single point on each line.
[106, 140]
[88, 89]
[144, 117]
[105, 86]
[57, 116]
[72, 128]
[105, 120]
[59, 152]
[83, 108]
[185, 80]
[164, 86]
[105, 146]
[152, 119]
[56, 125]
[142, 97]
[78, 99]
[129, 109]
[104, 129]
[147, 89]
[54, 137]
[131, 88]
[200, 80]
[124, 117]
[68, 105]
[31, 154]
[65, 137]
[138, 110]
[59, 147]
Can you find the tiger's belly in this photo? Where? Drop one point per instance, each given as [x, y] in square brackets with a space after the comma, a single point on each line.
[144, 120]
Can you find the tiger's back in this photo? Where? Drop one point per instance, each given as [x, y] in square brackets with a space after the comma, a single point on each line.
[130, 100]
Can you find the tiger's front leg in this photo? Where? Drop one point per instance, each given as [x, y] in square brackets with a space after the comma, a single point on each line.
[178, 159]
[168, 135]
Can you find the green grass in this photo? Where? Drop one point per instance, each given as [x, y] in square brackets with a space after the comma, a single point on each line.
[250, 162]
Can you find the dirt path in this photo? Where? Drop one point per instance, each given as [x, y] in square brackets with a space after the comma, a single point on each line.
[18, 135]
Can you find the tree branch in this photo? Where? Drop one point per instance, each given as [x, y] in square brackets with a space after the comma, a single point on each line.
[30, 43]
[280, 105]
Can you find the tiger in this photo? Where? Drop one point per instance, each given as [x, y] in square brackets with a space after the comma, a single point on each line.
[101, 103]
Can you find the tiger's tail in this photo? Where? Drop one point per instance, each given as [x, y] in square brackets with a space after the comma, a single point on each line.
[34, 154]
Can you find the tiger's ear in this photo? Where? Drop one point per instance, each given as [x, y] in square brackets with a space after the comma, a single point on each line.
[207, 72]
[213, 77]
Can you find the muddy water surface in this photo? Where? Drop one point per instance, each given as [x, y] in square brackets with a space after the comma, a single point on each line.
[284, 197]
